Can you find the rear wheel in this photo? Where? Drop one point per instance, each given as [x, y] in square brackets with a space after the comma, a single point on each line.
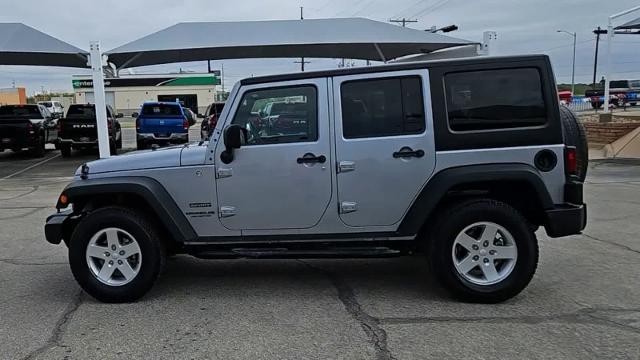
[575, 135]
[65, 150]
[141, 145]
[38, 149]
[113, 148]
[115, 255]
[483, 251]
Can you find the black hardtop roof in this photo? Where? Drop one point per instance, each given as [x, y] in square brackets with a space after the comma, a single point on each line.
[392, 67]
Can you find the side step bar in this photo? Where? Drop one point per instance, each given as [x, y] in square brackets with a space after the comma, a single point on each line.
[284, 253]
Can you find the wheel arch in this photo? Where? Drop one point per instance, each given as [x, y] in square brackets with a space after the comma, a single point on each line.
[496, 181]
[136, 192]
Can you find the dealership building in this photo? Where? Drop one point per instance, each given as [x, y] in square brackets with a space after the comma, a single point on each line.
[127, 93]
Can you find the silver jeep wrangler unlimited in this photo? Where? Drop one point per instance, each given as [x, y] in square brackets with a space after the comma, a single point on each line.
[461, 160]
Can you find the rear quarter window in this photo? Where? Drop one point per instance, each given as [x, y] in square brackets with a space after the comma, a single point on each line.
[494, 99]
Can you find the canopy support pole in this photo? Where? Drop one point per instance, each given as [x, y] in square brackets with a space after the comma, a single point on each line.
[384, 60]
[100, 99]
[610, 31]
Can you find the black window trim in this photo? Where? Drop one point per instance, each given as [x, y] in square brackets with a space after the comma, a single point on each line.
[391, 77]
[278, 87]
[480, 131]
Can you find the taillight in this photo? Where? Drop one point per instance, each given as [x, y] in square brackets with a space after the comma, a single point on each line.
[30, 128]
[59, 127]
[213, 121]
[570, 160]
[137, 123]
[185, 124]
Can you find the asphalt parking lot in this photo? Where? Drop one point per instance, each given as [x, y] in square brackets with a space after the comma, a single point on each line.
[584, 301]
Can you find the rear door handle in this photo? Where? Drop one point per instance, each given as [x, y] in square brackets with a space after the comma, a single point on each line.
[310, 158]
[407, 152]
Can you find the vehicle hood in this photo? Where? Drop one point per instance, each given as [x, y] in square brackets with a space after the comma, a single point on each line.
[136, 160]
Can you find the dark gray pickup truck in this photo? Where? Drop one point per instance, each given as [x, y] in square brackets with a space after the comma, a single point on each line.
[78, 129]
[26, 126]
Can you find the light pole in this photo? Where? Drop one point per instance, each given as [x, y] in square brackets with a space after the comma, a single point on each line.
[573, 66]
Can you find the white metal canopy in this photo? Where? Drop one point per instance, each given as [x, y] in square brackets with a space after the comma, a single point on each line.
[23, 45]
[353, 38]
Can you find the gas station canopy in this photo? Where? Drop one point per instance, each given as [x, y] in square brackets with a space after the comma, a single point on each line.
[24, 45]
[352, 38]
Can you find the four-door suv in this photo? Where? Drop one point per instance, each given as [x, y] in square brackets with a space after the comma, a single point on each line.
[55, 108]
[461, 160]
[27, 126]
[78, 129]
[161, 123]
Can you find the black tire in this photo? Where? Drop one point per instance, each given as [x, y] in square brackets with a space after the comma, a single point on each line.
[65, 151]
[113, 148]
[632, 104]
[38, 150]
[151, 249]
[119, 141]
[596, 105]
[456, 218]
[141, 145]
[575, 135]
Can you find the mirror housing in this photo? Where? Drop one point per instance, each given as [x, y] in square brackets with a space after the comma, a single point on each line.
[119, 115]
[234, 137]
[200, 116]
[134, 115]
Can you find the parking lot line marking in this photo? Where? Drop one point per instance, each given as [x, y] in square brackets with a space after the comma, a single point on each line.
[29, 167]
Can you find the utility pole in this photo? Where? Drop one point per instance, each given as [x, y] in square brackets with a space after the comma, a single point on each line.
[404, 21]
[599, 31]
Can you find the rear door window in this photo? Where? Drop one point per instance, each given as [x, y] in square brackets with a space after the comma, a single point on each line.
[494, 99]
[382, 107]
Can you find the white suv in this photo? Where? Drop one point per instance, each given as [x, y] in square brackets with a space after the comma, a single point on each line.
[55, 108]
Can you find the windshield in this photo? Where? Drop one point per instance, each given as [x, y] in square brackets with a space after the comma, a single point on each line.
[161, 110]
[30, 111]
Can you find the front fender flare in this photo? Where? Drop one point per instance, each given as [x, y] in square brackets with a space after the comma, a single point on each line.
[156, 196]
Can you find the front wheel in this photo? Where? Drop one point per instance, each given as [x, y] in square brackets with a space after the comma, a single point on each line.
[115, 255]
[483, 251]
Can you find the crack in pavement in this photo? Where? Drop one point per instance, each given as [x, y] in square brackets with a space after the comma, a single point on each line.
[30, 191]
[59, 328]
[370, 325]
[593, 316]
[625, 247]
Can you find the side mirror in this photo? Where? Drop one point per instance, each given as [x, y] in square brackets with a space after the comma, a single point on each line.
[134, 115]
[234, 138]
[119, 115]
[200, 116]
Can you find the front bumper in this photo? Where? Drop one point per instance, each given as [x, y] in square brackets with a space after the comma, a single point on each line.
[153, 137]
[567, 219]
[54, 229]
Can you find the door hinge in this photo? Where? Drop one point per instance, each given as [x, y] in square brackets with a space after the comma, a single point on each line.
[348, 206]
[346, 166]
[224, 173]
[226, 211]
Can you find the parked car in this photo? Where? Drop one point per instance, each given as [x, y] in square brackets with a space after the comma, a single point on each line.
[210, 119]
[55, 108]
[621, 93]
[190, 115]
[161, 123]
[27, 126]
[78, 129]
[461, 160]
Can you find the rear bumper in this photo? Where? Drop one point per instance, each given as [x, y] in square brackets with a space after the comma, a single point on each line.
[54, 227]
[13, 143]
[566, 219]
[74, 142]
[152, 137]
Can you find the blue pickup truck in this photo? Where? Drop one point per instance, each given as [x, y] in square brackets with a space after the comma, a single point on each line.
[162, 123]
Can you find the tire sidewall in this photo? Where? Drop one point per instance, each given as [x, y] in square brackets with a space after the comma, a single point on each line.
[523, 237]
[150, 249]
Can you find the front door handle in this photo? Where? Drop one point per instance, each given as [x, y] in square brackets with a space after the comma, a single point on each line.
[407, 152]
[310, 158]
